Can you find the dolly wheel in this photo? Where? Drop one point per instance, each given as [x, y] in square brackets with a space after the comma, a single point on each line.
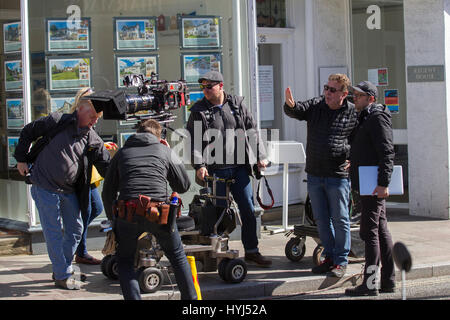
[104, 263]
[235, 271]
[292, 250]
[111, 268]
[150, 280]
[317, 255]
[221, 268]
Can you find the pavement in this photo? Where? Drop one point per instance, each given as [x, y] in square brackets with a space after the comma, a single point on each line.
[28, 277]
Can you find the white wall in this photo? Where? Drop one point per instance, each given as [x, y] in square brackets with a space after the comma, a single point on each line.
[427, 43]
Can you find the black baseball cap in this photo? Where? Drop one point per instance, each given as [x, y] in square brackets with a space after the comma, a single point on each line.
[211, 76]
[366, 87]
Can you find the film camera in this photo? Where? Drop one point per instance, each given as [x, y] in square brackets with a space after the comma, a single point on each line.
[157, 97]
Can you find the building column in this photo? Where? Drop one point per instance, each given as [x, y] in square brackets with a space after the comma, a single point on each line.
[427, 44]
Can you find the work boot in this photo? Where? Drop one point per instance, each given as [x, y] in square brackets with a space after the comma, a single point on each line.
[338, 271]
[324, 267]
[361, 291]
[258, 259]
[387, 288]
[70, 283]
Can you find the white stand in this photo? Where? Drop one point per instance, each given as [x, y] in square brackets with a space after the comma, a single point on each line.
[285, 152]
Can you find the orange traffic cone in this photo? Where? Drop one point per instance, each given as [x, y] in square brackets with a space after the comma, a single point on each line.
[191, 261]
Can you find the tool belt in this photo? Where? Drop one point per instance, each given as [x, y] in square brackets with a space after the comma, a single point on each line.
[153, 211]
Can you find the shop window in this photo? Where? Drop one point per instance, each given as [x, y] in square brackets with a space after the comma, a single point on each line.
[94, 44]
[379, 52]
[271, 13]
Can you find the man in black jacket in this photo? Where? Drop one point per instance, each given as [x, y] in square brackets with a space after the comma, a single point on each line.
[330, 120]
[230, 147]
[372, 145]
[61, 178]
[143, 167]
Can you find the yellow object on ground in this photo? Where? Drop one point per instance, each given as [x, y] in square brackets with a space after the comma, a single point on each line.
[191, 261]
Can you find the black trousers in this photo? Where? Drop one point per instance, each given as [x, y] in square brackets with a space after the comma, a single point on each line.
[378, 242]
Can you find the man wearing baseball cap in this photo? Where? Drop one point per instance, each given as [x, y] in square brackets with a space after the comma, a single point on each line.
[222, 113]
[372, 145]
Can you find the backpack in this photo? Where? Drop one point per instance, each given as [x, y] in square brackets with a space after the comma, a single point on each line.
[40, 144]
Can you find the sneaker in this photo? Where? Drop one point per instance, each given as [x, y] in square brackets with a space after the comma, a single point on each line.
[70, 283]
[83, 276]
[361, 291]
[258, 259]
[338, 271]
[324, 267]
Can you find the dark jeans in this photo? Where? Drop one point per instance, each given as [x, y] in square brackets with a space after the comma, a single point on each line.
[243, 195]
[378, 241]
[168, 237]
[95, 208]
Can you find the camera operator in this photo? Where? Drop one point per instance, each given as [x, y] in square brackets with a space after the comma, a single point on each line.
[61, 178]
[142, 168]
[221, 112]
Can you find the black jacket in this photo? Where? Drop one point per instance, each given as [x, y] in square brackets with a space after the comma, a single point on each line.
[372, 144]
[143, 166]
[95, 152]
[327, 147]
[232, 115]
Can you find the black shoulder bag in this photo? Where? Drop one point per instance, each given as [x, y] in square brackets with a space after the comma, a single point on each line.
[40, 144]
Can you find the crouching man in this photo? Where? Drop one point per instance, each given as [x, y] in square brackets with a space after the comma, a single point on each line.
[142, 168]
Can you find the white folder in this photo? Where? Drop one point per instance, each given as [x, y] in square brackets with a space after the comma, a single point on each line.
[368, 180]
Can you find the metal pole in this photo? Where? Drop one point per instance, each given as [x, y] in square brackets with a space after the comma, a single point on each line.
[26, 69]
[237, 48]
[403, 285]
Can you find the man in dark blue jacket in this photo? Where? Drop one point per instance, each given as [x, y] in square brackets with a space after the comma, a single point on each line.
[330, 120]
[225, 142]
[372, 145]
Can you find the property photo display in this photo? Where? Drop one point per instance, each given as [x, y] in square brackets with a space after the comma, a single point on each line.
[199, 32]
[135, 65]
[71, 73]
[12, 37]
[15, 114]
[12, 144]
[13, 75]
[124, 136]
[65, 35]
[61, 104]
[195, 65]
[194, 97]
[137, 33]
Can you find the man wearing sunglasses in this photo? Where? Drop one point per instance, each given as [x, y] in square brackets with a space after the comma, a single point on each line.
[222, 116]
[330, 120]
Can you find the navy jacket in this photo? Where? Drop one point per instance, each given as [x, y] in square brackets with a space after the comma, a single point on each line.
[143, 167]
[372, 144]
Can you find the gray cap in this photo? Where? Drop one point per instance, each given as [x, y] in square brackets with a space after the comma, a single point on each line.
[366, 87]
[211, 76]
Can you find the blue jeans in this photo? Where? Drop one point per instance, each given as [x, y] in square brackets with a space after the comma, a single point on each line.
[329, 201]
[54, 208]
[243, 195]
[95, 208]
[127, 234]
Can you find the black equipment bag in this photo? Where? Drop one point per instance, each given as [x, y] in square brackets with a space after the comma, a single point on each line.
[206, 215]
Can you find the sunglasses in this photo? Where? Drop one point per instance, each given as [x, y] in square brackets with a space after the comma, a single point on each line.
[209, 85]
[360, 95]
[331, 89]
